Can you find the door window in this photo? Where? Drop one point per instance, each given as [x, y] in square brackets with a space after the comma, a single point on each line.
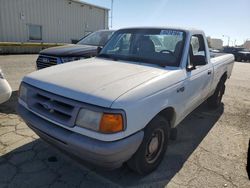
[197, 51]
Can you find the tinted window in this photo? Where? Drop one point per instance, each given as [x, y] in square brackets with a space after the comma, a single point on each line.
[98, 38]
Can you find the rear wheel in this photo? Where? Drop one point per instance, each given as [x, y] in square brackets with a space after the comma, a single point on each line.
[173, 134]
[153, 147]
[215, 100]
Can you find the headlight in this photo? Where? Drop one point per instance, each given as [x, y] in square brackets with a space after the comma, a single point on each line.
[89, 119]
[98, 121]
[23, 93]
[69, 59]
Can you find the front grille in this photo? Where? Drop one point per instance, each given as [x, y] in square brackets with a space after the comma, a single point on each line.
[54, 107]
[46, 61]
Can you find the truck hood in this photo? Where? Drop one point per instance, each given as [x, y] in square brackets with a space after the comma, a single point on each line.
[95, 81]
[70, 50]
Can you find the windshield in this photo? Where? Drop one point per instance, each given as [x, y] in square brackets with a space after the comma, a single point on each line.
[98, 38]
[155, 46]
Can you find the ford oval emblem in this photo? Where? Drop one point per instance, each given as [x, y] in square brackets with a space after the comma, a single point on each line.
[47, 106]
[45, 60]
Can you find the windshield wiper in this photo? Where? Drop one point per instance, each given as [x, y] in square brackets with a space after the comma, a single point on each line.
[134, 58]
[148, 61]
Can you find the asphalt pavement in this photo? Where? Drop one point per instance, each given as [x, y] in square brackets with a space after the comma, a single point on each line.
[211, 149]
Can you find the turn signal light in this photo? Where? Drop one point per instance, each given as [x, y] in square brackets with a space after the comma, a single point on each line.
[111, 123]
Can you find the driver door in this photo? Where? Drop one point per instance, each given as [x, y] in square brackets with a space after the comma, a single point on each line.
[198, 75]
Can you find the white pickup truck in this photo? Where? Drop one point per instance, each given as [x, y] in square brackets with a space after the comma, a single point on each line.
[122, 105]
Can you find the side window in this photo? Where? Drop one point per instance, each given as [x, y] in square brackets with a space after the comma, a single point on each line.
[198, 45]
[122, 45]
[195, 45]
[197, 51]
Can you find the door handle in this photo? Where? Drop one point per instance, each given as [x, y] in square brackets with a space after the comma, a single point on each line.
[209, 72]
[181, 89]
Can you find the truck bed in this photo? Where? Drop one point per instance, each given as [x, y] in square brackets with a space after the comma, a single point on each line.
[222, 63]
[216, 54]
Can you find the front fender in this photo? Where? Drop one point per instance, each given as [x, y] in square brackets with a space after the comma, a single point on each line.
[140, 111]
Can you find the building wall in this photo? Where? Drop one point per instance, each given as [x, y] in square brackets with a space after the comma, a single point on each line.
[215, 43]
[247, 45]
[61, 21]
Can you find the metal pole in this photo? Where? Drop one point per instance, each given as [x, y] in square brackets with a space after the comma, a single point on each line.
[228, 43]
[111, 19]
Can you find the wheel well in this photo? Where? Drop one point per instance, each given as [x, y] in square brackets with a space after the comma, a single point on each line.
[224, 77]
[169, 114]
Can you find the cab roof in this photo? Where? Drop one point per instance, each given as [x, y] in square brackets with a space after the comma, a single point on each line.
[187, 30]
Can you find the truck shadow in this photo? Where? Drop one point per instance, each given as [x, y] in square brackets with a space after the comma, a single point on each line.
[191, 132]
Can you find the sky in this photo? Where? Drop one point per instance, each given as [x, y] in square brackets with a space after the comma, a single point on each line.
[218, 18]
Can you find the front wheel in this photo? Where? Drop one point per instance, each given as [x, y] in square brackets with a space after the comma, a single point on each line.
[215, 100]
[153, 147]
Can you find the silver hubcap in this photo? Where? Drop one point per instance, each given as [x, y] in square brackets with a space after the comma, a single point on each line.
[153, 145]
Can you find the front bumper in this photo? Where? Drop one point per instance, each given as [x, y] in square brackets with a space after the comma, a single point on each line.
[104, 154]
[5, 89]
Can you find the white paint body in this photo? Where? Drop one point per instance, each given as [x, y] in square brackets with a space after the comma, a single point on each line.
[5, 89]
[141, 90]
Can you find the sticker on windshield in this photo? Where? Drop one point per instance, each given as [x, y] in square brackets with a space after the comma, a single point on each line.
[171, 32]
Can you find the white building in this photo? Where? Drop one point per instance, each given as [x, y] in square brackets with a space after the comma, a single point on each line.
[215, 43]
[247, 44]
[56, 21]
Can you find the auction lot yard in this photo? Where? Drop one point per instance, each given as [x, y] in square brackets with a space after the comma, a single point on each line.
[211, 149]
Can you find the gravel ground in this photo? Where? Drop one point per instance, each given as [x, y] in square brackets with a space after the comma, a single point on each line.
[211, 149]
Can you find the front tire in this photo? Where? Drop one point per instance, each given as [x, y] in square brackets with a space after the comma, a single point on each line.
[153, 147]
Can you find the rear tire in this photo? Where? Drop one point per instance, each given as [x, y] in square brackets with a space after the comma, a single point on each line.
[173, 134]
[215, 100]
[153, 147]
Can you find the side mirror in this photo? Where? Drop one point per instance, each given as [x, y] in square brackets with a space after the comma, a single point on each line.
[199, 60]
[190, 68]
[99, 49]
